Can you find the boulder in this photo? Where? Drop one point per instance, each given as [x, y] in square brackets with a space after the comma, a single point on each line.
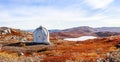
[4, 30]
[41, 35]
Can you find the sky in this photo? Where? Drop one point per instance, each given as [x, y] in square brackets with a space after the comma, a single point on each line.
[59, 14]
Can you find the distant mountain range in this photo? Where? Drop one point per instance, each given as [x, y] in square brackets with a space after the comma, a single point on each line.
[86, 31]
[110, 29]
[87, 28]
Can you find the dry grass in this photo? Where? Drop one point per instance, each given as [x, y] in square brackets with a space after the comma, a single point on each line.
[59, 51]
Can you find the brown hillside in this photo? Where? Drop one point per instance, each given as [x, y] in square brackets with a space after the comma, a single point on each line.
[74, 32]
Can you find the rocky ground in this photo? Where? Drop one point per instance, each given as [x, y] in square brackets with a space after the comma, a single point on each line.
[17, 46]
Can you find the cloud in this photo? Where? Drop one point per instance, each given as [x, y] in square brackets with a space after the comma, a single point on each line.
[55, 16]
[32, 17]
[50, 17]
[98, 4]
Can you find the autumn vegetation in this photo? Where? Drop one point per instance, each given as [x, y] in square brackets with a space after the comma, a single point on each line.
[100, 49]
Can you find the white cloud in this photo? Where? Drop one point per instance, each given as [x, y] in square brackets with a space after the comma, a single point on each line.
[98, 4]
[30, 17]
[112, 21]
[42, 13]
[52, 18]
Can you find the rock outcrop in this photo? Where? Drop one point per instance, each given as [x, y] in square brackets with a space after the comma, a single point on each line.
[5, 30]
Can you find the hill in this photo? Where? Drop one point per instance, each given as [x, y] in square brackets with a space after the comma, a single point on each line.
[85, 31]
[74, 32]
[108, 29]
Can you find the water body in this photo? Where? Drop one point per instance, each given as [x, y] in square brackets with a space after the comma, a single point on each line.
[82, 38]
